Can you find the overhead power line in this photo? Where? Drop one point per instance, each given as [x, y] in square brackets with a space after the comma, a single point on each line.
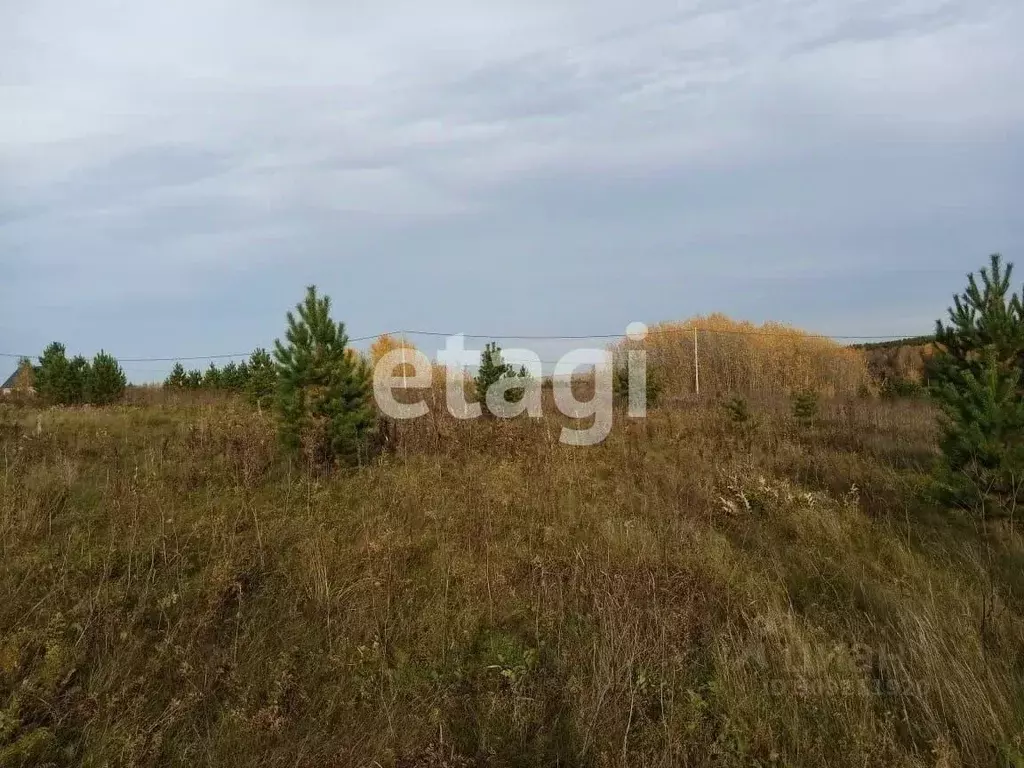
[520, 337]
[654, 331]
[189, 358]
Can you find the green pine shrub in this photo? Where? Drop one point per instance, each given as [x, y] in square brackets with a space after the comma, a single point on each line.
[177, 379]
[620, 385]
[261, 382]
[493, 369]
[229, 376]
[738, 410]
[106, 381]
[53, 376]
[976, 379]
[79, 375]
[60, 381]
[805, 407]
[212, 378]
[324, 396]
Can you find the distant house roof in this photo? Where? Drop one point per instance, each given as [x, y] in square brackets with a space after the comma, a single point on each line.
[13, 381]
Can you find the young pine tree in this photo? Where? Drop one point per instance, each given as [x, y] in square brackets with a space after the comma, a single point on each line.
[324, 396]
[804, 406]
[620, 384]
[53, 377]
[516, 394]
[492, 368]
[262, 378]
[178, 379]
[241, 378]
[229, 377]
[106, 381]
[741, 423]
[976, 379]
[60, 381]
[80, 372]
[738, 410]
[212, 378]
[194, 379]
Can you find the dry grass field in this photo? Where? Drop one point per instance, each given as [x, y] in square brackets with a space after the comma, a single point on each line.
[689, 592]
[758, 361]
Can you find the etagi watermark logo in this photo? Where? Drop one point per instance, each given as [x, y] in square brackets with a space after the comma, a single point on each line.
[418, 373]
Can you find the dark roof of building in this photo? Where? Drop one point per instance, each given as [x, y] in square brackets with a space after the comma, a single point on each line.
[12, 380]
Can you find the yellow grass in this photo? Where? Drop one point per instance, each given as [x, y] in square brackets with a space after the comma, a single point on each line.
[386, 343]
[686, 593]
[757, 360]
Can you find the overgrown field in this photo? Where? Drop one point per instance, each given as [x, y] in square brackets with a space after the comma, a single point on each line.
[690, 592]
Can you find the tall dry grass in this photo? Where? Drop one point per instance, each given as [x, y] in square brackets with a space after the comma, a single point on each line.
[687, 593]
[739, 357]
[900, 363]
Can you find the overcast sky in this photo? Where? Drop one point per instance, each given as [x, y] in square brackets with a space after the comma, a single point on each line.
[173, 174]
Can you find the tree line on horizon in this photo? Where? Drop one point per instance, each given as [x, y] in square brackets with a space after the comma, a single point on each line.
[59, 380]
[322, 388]
[256, 377]
[977, 381]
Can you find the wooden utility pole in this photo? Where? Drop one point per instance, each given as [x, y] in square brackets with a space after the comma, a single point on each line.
[696, 364]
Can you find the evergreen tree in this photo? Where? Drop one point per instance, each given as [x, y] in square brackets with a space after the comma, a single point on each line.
[229, 377]
[106, 380]
[178, 378]
[741, 424]
[515, 394]
[79, 373]
[194, 379]
[620, 384]
[492, 369]
[212, 379]
[324, 396]
[976, 379]
[241, 379]
[60, 381]
[53, 377]
[804, 406]
[738, 410]
[262, 378]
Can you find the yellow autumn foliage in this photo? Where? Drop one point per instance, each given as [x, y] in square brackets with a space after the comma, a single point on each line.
[739, 357]
[387, 343]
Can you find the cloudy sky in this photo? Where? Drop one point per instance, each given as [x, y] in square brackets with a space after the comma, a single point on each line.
[173, 174]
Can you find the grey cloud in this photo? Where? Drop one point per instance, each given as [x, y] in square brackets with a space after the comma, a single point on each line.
[164, 152]
[917, 20]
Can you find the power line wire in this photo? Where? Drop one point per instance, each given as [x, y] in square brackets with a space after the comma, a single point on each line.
[192, 358]
[653, 331]
[522, 337]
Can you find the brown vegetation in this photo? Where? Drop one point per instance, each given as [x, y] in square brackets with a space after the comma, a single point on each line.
[904, 364]
[386, 343]
[760, 361]
[690, 592]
